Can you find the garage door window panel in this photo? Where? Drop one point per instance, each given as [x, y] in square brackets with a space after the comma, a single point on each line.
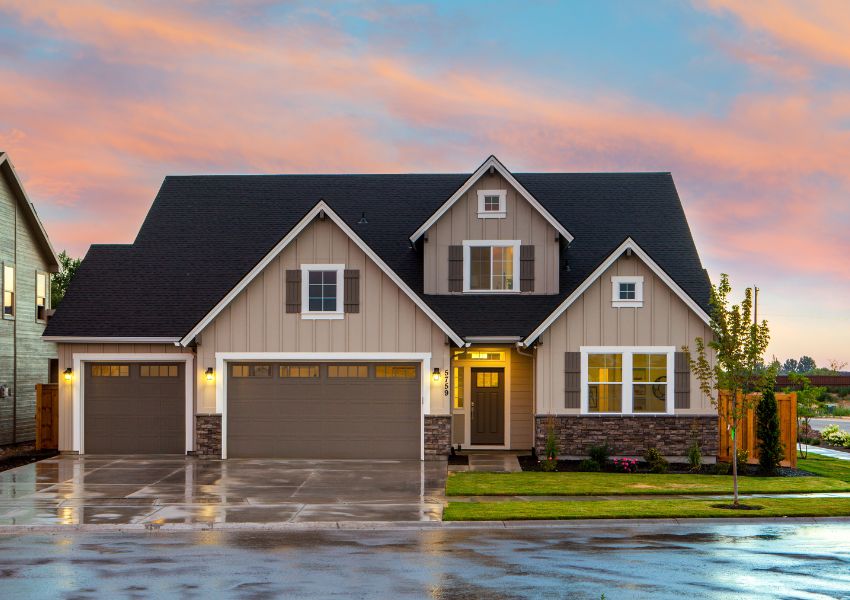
[395, 372]
[348, 371]
[158, 371]
[110, 370]
[251, 371]
[299, 371]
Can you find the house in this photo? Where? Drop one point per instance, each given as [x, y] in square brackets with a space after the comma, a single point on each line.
[371, 316]
[26, 262]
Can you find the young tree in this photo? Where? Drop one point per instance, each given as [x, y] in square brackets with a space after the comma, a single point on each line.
[767, 432]
[739, 345]
[807, 408]
[836, 366]
[806, 364]
[790, 365]
[62, 280]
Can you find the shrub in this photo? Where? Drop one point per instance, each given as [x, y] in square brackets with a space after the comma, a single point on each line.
[600, 454]
[695, 456]
[831, 434]
[743, 456]
[625, 465]
[656, 462]
[589, 465]
[767, 433]
[722, 468]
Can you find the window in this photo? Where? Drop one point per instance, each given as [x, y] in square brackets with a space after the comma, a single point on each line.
[42, 295]
[491, 266]
[299, 371]
[110, 370]
[627, 291]
[321, 291]
[457, 387]
[395, 371]
[158, 370]
[8, 292]
[492, 204]
[350, 371]
[627, 380]
[479, 355]
[251, 371]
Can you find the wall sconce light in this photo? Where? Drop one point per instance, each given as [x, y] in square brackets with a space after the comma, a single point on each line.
[210, 374]
[69, 374]
[435, 376]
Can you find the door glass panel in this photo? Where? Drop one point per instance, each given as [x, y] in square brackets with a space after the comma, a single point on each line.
[487, 379]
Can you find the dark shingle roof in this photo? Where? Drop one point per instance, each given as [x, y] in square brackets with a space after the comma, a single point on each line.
[204, 233]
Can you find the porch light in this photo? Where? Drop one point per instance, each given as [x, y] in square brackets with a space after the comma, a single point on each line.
[210, 374]
[69, 374]
[435, 376]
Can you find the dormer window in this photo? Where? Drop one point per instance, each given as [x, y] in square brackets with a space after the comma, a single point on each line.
[627, 291]
[492, 204]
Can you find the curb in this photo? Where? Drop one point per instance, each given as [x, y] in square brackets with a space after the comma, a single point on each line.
[411, 525]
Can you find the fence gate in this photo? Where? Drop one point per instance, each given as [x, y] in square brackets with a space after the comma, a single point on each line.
[47, 416]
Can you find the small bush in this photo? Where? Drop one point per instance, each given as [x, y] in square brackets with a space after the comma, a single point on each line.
[832, 435]
[600, 454]
[625, 465]
[722, 468]
[589, 465]
[548, 464]
[743, 456]
[695, 456]
[656, 462]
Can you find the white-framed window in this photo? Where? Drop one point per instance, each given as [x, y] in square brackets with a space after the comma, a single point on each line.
[42, 295]
[321, 291]
[8, 291]
[491, 266]
[492, 204]
[627, 291]
[627, 380]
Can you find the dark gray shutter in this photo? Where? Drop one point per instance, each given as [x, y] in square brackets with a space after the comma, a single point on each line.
[293, 290]
[526, 268]
[572, 380]
[682, 381]
[455, 268]
[351, 291]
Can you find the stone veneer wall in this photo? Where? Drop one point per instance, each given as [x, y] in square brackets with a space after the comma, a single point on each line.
[438, 435]
[208, 436]
[629, 435]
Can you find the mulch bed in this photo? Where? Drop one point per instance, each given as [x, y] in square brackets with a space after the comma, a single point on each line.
[22, 454]
[739, 507]
[530, 463]
[458, 459]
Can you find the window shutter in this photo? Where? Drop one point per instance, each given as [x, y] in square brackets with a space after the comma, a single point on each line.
[572, 380]
[526, 268]
[293, 290]
[455, 268]
[682, 381]
[351, 291]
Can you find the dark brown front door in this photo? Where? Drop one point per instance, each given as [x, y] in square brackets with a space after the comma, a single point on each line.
[488, 406]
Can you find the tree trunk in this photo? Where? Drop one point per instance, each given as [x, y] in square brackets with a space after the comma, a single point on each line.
[735, 448]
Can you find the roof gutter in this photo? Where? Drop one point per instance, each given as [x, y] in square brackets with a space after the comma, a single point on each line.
[81, 339]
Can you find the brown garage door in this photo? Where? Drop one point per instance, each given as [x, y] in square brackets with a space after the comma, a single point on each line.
[133, 408]
[323, 410]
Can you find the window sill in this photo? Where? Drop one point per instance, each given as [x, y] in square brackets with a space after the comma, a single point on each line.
[621, 414]
[491, 291]
[627, 303]
[322, 316]
[9, 317]
[492, 215]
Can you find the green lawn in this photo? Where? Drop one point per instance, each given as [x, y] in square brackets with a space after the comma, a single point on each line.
[642, 509]
[826, 466]
[606, 484]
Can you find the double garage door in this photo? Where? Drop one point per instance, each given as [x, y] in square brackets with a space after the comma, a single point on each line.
[323, 410]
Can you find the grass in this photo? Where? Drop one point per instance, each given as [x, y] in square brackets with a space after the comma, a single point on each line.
[608, 484]
[826, 467]
[642, 509]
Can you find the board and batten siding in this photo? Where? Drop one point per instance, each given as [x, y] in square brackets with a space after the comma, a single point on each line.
[256, 320]
[66, 359]
[664, 320]
[28, 352]
[522, 400]
[461, 222]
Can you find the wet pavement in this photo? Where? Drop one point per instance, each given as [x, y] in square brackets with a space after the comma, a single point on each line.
[624, 561]
[103, 490]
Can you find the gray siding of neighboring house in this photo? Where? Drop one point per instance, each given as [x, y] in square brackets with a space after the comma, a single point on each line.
[24, 357]
[461, 222]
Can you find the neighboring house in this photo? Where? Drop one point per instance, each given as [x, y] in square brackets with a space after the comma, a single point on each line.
[26, 261]
[369, 316]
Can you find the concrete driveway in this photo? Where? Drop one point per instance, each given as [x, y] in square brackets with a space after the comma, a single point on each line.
[155, 491]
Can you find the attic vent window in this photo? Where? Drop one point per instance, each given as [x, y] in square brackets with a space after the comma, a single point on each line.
[627, 291]
[492, 204]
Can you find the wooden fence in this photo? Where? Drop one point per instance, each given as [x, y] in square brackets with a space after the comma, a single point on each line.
[46, 416]
[747, 440]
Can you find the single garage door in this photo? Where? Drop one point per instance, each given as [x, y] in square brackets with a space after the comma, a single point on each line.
[323, 410]
[134, 408]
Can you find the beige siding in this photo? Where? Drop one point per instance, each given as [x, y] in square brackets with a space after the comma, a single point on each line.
[256, 321]
[522, 400]
[24, 356]
[66, 360]
[664, 320]
[461, 222]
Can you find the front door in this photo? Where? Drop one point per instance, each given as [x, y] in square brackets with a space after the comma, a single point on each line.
[488, 406]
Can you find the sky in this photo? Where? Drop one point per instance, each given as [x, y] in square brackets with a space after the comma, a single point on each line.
[746, 103]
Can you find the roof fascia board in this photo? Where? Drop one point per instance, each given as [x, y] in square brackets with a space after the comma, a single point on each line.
[628, 244]
[496, 164]
[75, 339]
[321, 206]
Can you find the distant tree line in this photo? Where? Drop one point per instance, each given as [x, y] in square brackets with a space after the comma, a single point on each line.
[806, 365]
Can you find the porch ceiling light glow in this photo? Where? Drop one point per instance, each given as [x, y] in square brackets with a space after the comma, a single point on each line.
[435, 376]
[210, 373]
[69, 374]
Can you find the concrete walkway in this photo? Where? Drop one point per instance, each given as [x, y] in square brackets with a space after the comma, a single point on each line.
[829, 452]
[496, 461]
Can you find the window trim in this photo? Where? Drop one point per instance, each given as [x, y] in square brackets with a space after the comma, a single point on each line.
[14, 291]
[467, 265]
[306, 313]
[628, 391]
[616, 301]
[493, 214]
[46, 295]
